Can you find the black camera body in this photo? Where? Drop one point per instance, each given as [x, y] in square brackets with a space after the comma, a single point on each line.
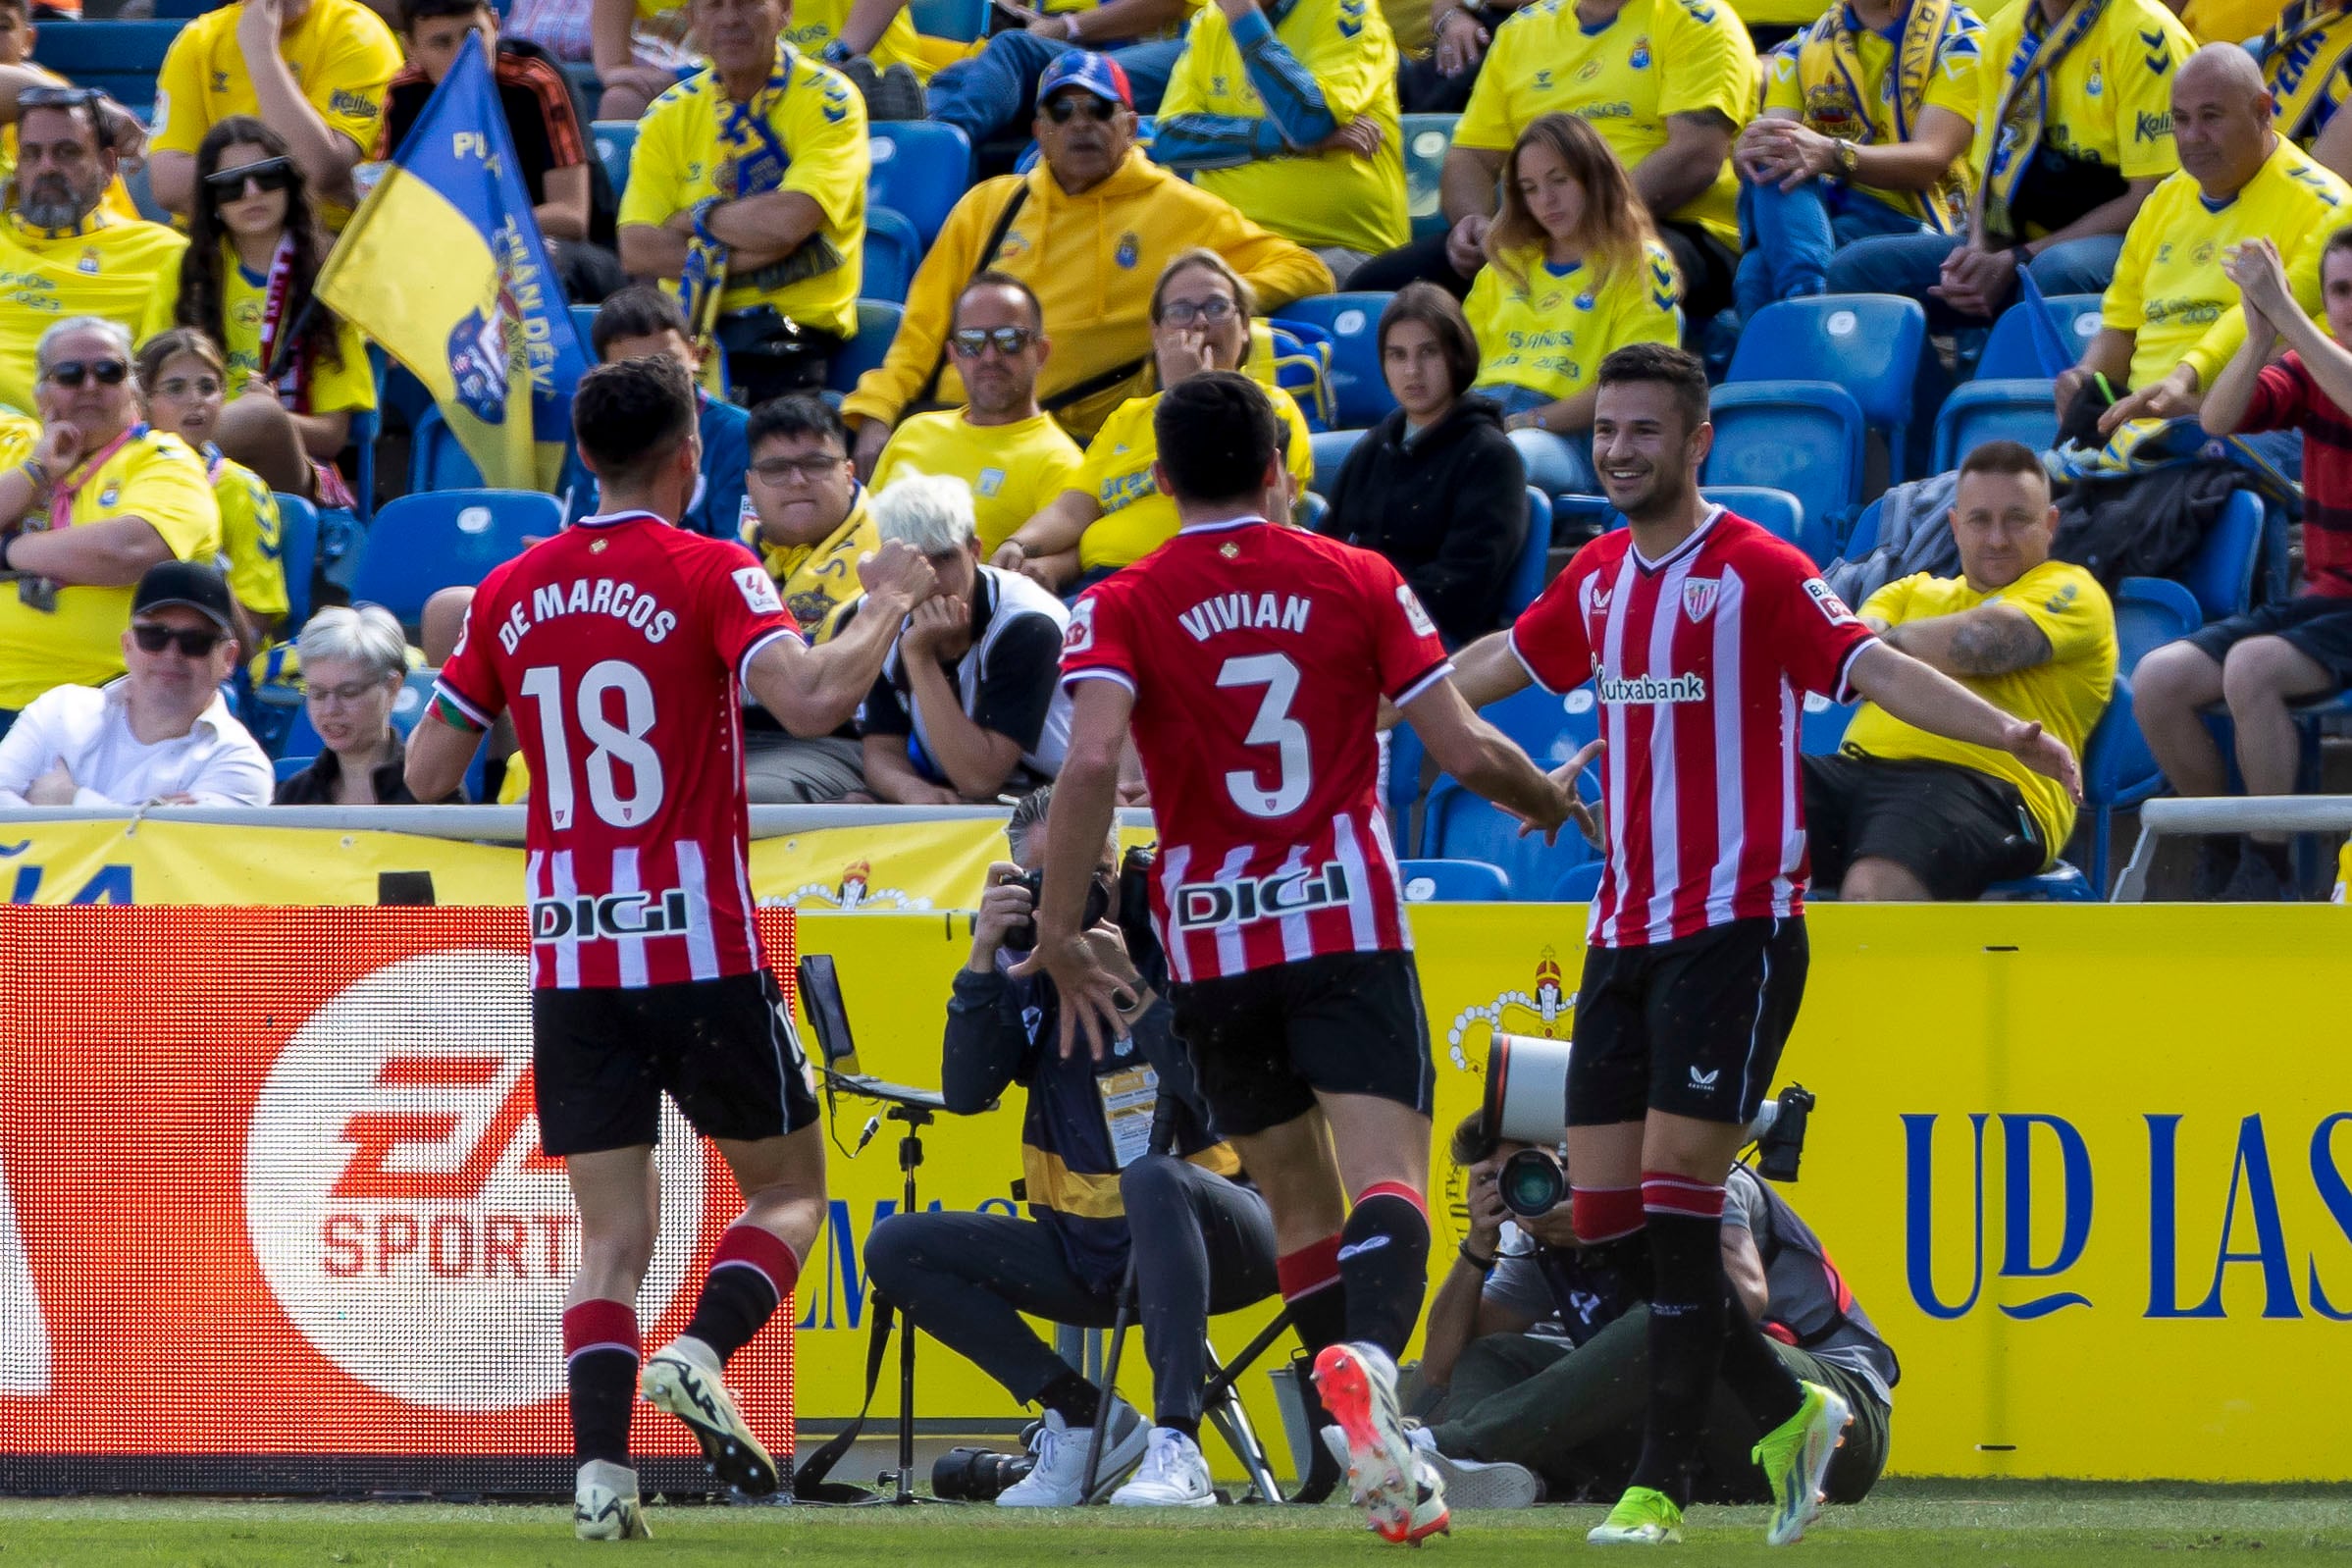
[1023, 937]
[977, 1474]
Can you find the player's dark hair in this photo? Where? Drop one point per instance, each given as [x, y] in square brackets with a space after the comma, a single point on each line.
[1433, 307]
[1215, 433]
[1681, 373]
[2005, 458]
[630, 415]
[416, 11]
[637, 311]
[993, 278]
[795, 417]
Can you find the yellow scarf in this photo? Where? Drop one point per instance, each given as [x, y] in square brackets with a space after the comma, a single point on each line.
[2024, 105]
[1830, 72]
[2309, 82]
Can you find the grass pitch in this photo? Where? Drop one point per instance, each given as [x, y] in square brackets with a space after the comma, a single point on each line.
[1984, 1526]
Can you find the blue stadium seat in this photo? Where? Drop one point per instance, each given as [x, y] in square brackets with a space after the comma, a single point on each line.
[1453, 882]
[1821, 726]
[1427, 139]
[2006, 408]
[1457, 825]
[1780, 512]
[2118, 769]
[1405, 756]
[893, 250]
[288, 766]
[2221, 574]
[120, 57]
[1527, 572]
[297, 556]
[422, 544]
[2008, 350]
[435, 459]
[877, 324]
[614, 140]
[1579, 884]
[1353, 324]
[1332, 448]
[1862, 538]
[964, 21]
[1867, 343]
[1805, 436]
[922, 169]
[2151, 611]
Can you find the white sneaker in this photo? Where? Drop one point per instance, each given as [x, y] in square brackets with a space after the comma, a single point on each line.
[1483, 1483]
[1174, 1476]
[604, 1503]
[1061, 1451]
[684, 1381]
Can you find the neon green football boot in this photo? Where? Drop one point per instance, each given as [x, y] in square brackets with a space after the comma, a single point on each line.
[1795, 1457]
[1641, 1518]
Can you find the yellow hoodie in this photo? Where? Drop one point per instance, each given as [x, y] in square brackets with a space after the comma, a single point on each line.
[1092, 260]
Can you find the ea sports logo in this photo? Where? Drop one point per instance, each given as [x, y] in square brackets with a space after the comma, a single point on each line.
[397, 1201]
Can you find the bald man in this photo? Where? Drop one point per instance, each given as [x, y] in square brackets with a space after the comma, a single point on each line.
[2170, 318]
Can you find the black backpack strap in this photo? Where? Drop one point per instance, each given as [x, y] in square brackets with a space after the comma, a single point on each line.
[930, 391]
[808, 1484]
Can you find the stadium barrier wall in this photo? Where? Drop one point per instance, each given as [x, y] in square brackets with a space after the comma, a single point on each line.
[2084, 1166]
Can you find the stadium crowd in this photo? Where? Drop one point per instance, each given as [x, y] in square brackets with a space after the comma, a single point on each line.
[1183, 189]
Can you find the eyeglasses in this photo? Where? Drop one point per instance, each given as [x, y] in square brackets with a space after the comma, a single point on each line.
[349, 696]
[187, 387]
[1184, 312]
[194, 640]
[72, 372]
[1007, 340]
[270, 173]
[1098, 109]
[776, 470]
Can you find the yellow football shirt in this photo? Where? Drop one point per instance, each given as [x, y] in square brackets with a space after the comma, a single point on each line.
[1825, 102]
[1014, 470]
[151, 476]
[347, 383]
[123, 270]
[2065, 693]
[1653, 58]
[2169, 287]
[818, 121]
[250, 536]
[1551, 333]
[1779, 13]
[339, 53]
[817, 580]
[2110, 96]
[2229, 21]
[815, 23]
[1318, 199]
[1136, 519]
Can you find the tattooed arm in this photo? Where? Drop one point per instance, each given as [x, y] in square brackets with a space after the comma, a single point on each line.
[1989, 640]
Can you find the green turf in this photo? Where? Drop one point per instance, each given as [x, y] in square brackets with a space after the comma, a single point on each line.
[1995, 1527]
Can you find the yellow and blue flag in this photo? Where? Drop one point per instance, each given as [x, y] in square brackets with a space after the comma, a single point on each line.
[445, 267]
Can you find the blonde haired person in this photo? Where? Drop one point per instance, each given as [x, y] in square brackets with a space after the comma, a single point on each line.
[1113, 512]
[1574, 272]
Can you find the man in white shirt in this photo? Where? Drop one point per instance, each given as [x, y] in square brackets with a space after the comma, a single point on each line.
[161, 735]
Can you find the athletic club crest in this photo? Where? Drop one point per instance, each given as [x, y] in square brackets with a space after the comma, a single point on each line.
[1699, 597]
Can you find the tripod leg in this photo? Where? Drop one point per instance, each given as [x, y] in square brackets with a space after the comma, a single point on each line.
[1110, 1406]
[1226, 1412]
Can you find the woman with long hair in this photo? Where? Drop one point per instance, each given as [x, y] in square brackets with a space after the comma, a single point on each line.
[1574, 272]
[184, 379]
[1113, 513]
[297, 371]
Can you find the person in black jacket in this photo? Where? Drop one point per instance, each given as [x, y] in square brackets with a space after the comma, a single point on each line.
[1098, 1189]
[354, 662]
[1436, 487]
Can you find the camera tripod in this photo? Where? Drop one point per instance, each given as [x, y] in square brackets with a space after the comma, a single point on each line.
[902, 1479]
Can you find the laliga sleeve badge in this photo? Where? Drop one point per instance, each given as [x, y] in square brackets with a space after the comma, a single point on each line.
[1415, 616]
[1080, 636]
[1825, 600]
[758, 589]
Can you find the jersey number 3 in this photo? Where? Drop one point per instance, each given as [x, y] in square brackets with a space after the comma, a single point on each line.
[623, 743]
[1273, 726]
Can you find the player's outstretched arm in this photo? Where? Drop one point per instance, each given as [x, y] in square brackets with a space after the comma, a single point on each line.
[1486, 761]
[1086, 799]
[438, 753]
[815, 691]
[1487, 671]
[1934, 702]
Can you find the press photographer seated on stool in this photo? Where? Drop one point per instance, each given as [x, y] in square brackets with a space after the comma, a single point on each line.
[1203, 1243]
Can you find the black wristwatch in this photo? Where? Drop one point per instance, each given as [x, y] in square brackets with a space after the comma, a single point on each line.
[1481, 1265]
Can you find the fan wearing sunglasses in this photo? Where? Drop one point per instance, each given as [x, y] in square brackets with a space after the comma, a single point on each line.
[101, 498]
[162, 735]
[1006, 449]
[298, 372]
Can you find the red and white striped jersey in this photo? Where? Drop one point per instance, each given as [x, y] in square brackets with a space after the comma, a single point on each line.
[619, 643]
[1257, 657]
[1701, 661]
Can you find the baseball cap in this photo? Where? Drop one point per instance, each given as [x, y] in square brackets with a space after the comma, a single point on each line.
[1097, 74]
[198, 587]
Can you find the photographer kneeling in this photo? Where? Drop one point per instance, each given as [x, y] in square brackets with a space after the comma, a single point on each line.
[1202, 1243]
[1533, 1358]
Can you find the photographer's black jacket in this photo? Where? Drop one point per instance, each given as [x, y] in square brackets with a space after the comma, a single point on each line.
[1002, 1030]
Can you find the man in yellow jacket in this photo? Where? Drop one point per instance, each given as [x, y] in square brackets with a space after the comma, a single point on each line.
[1089, 229]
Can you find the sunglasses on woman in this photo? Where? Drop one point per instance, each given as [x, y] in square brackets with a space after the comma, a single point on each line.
[72, 372]
[271, 174]
[194, 641]
[1059, 110]
[1007, 340]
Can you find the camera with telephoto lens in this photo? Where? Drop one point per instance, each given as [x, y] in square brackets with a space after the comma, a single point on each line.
[1527, 1102]
[977, 1474]
[1021, 935]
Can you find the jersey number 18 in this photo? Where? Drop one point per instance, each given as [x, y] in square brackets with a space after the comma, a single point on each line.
[623, 743]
